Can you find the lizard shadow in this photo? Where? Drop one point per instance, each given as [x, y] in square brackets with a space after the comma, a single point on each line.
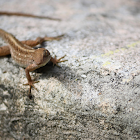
[67, 76]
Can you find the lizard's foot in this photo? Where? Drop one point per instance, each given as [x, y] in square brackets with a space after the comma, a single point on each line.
[55, 61]
[31, 84]
[53, 38]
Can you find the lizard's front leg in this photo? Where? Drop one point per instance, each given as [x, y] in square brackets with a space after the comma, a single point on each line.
[30, 81]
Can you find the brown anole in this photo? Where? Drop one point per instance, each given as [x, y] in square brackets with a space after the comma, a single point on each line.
[26, 56]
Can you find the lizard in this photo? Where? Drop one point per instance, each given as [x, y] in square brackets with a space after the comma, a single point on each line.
[26, 15]
[26, 56]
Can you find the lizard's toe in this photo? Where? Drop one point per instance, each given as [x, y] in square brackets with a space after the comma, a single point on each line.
[31, 84]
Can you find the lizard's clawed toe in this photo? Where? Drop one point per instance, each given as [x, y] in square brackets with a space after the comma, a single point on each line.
[55, 61]
[31, 84]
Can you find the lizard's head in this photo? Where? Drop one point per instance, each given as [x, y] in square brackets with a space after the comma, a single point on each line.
[42, 56]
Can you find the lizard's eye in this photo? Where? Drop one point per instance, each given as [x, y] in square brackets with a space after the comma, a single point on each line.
[47, 52]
